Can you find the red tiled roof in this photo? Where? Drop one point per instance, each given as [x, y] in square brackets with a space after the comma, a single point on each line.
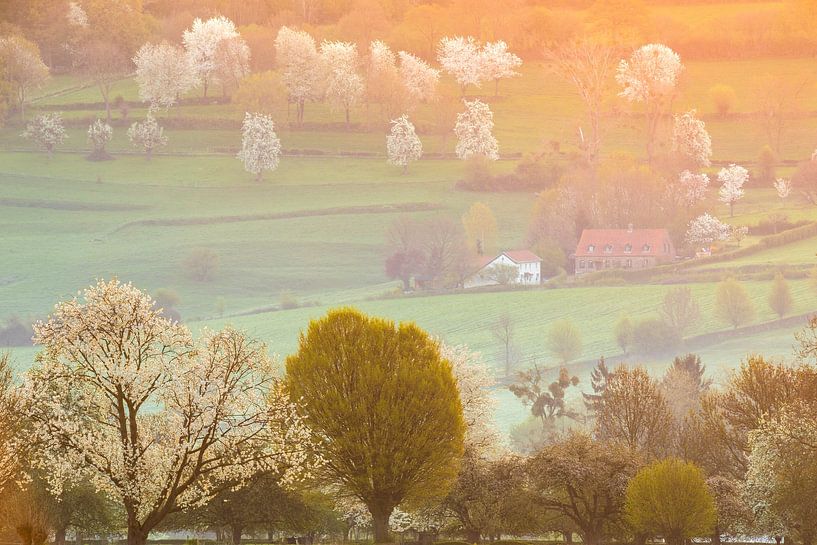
[619, 238]
[522, 256]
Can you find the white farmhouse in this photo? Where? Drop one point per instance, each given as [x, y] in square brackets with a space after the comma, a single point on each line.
[519, 267]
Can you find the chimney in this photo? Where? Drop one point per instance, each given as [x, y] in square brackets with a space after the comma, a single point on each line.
[629, 227]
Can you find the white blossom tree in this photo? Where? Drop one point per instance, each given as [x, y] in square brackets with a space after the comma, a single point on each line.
[650, 77]
[462, 58]
[147, 135]
[690, 140]
[164, 72]
[402, 143]
[732, 179]
[47, 131]
[201, 41]
[783, 188]
[419, 78]
[260, 146]
[498, 63]
[297, 57]
[474, 131]
[21, 68]
[99, 134]
[706, 229]
[692, 187]
[126, 400]
[344, 85]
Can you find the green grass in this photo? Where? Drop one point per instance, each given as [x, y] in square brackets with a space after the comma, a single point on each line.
[67, 221]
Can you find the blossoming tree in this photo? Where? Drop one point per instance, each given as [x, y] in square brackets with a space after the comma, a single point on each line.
[690, 140]
[99, 134]
[706, 229]
[344, 86]
[462, 58]
[147, 135]
[732, 179]
[47, 131]
[260, 146]
[692, 187]
[402, 144]
[298, 58]
[419, 78]
[125, 399]
[650, 77]
[498, 63]
[201, 42]
[473, 130]
[163, 72]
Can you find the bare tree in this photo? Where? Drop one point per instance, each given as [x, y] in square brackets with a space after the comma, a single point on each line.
[589, 66]
[503, 332]
[778, 101]
[105, 64]
[679, 309]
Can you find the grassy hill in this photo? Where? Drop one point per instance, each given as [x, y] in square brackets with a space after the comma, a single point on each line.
[315, 229]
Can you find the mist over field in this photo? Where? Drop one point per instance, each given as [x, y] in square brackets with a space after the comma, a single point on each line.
[415, 270]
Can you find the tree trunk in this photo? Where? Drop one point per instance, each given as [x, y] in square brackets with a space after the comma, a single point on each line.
[204, 81]
[236, 535]
[568, 536]
[347, 119]
[496, 87]
[136, 536]
[381, 526]
[78, 538]
[59, 535]
[472, 536]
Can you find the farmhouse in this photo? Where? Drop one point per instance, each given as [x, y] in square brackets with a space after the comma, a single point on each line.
[511, 267]
[629, 248]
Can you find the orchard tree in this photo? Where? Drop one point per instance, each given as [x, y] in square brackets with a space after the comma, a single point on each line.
[498, 63]
[670, 499]
[403, 146]
[105, 64]
[232, 63]
[379, 445]
[706, 229]
[126, 400]
[734, 515]
[691, 141]
[585, 482]
[780, 299]
[164, 72]
[679, 309]
[624, 333]
[260, 146]
[588, 65]
[462, 58]
[419, 78]
[782, 476]
[99, 134]
[650, 77]
[201, 42]
[692, 187]
[297, 57]
[634, 410]
[147, 135]
[47, 131]
[732, 179]
[685, 386]
[480, 227]
[783, 188]
[22, 67]
[474, 132]
[503, 331]
[564, 341]
[344, 86]
[733, 304]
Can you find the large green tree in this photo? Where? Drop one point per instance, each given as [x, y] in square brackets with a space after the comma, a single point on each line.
[670, 499]
[384, 408]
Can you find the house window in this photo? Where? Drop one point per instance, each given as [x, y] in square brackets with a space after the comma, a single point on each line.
[646, 248]
[581, 263]
[629, 263]
[608, 249]
[591, 248]
[628, 248]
